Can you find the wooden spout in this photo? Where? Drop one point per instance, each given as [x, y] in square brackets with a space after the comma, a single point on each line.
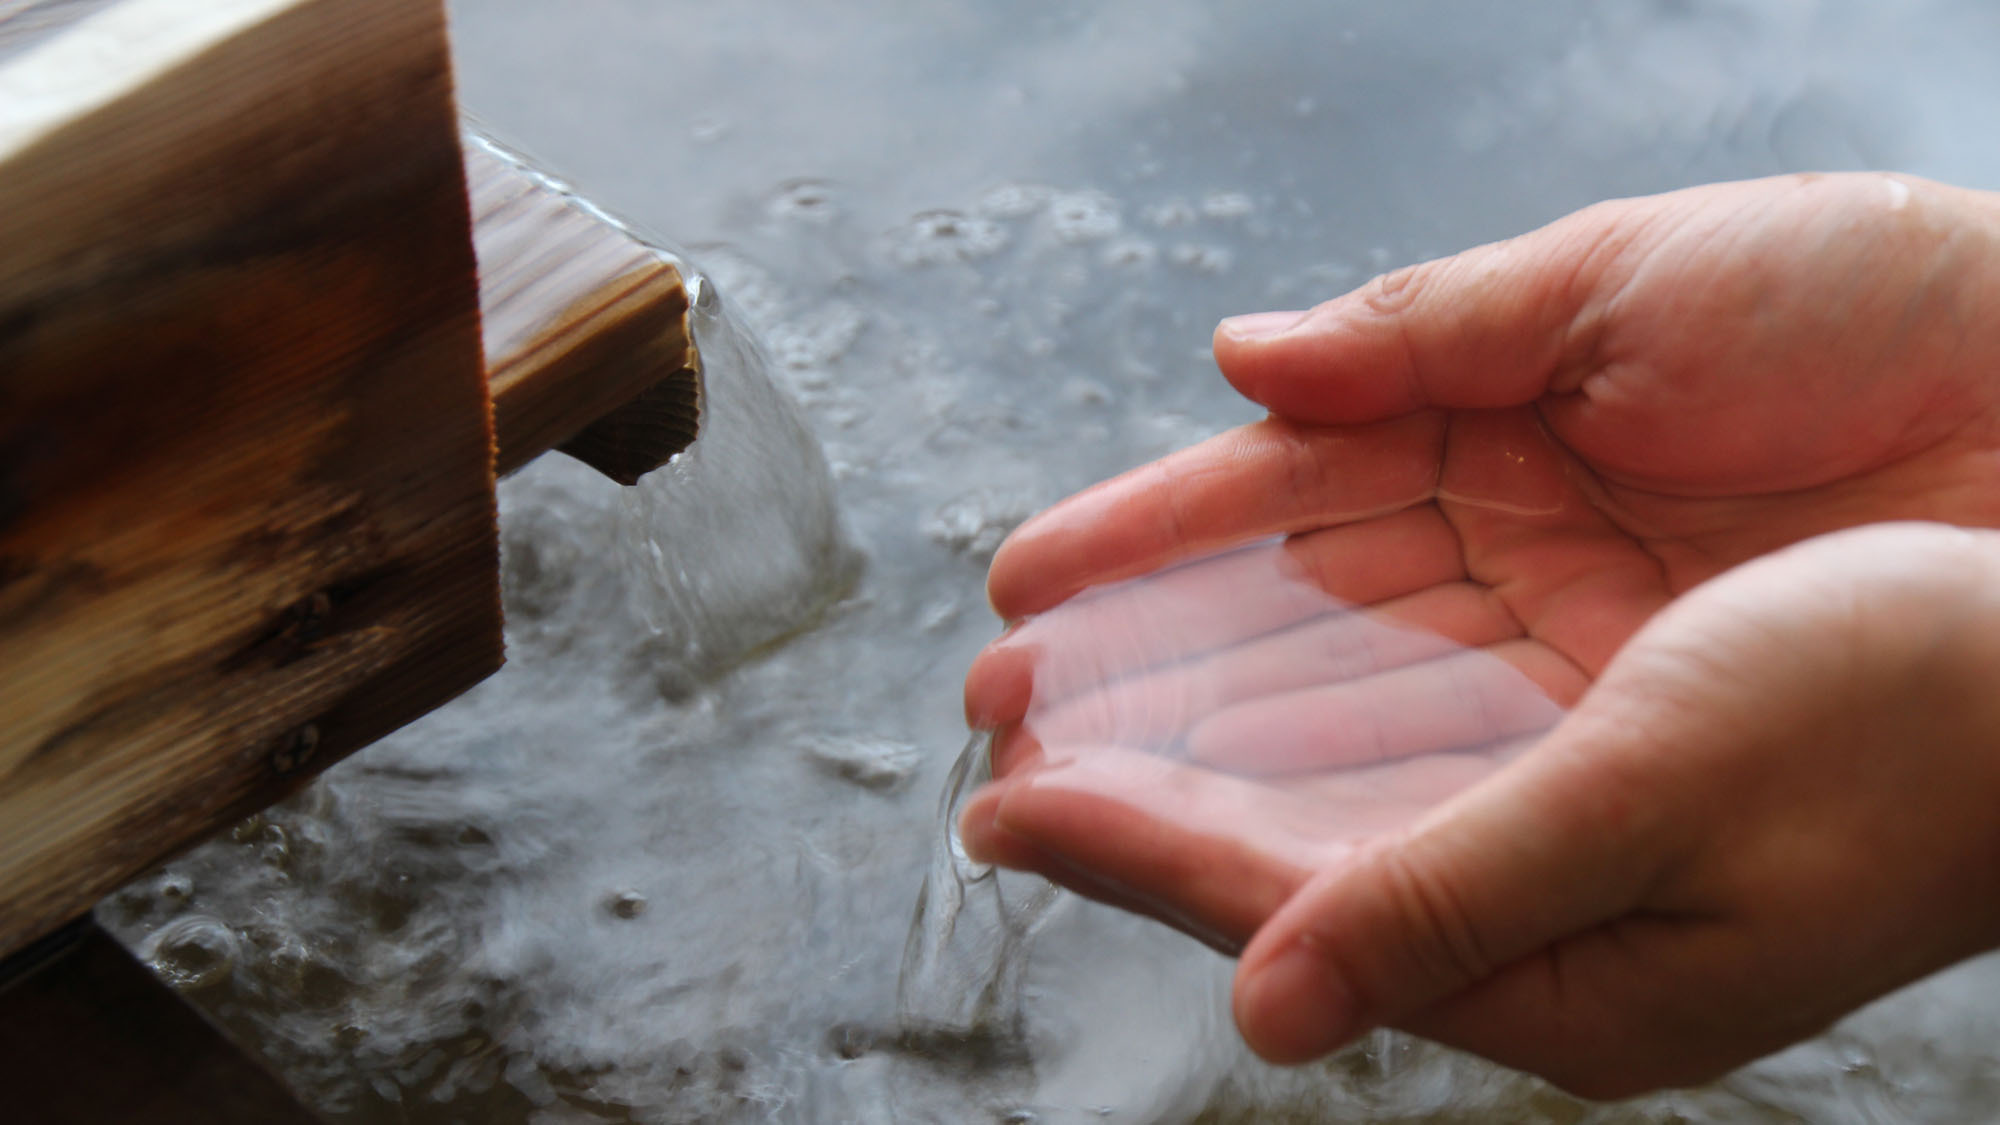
[588, 344]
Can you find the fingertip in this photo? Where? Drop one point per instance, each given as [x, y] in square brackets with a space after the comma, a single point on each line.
[1000, 684]
[1337, 363]
[1258, 326]
[1017, 580]
[1290, 1006]
[979, 830]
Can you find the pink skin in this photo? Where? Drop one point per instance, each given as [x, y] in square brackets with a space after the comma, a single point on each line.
[1629, 434]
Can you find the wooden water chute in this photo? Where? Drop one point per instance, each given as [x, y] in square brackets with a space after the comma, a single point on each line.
[259, 369]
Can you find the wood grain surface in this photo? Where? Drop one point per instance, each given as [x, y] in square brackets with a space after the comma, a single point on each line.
[246, 507]
[588, 342]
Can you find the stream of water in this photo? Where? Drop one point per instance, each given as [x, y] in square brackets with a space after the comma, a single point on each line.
[959, 261]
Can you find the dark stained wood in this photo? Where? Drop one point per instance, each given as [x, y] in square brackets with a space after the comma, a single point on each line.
[88, 1036]
[246, 506]
[588, 343]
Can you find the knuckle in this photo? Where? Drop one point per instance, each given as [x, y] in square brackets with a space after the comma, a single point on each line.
[1444, 947]
[1395, 292]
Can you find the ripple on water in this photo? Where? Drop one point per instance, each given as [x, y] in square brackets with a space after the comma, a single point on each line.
[1084, 216]
[941, 237]
[193, 952]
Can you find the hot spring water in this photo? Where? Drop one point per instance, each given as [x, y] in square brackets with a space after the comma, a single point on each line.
[665, 866]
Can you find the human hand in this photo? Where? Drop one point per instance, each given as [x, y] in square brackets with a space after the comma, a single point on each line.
[1775, 804]
[1557, 435]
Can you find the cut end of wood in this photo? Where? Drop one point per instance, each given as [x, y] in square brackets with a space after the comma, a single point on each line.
[645, 433]
[588, 345]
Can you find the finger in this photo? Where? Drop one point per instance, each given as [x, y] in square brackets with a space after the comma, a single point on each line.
[1606, 1013]
[1206, 852]
[1102, 634]
[1418, 784]
[1546, 847]
[1015, 750]
[1493, 326]
[986, 842]
[1465, 700]
[1159, 707]
[1267, 478]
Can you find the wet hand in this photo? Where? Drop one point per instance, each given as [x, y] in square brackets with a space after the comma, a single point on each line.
[1774, 805]
[1556, 436]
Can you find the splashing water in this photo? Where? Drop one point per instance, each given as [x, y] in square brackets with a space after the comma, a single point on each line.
[1230, 696]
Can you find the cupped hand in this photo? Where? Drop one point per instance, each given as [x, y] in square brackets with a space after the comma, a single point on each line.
[1773, 805]
[1558, 436]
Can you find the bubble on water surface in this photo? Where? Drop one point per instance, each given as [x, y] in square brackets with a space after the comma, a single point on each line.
[192, 953]
[940, 237]
[806, 201]
[1084, 216]
[1012, 201]
[1130, 252]
[1169, 213]
[1202, 258]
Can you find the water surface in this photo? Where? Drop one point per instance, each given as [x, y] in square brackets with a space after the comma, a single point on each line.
[666, 875]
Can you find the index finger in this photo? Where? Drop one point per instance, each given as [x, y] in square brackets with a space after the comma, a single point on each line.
[1268, 478]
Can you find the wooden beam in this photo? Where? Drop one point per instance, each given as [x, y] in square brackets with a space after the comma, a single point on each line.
[88, 1036]
[588, 343]
[246, 506]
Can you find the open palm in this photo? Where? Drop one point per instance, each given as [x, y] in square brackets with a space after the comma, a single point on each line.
[1530, 448]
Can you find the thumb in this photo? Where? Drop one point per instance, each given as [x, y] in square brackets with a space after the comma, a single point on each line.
[1497, 325]
[1549, 846]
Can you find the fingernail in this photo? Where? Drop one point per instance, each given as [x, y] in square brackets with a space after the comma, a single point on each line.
[1256, 326]
[1299, 1011]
